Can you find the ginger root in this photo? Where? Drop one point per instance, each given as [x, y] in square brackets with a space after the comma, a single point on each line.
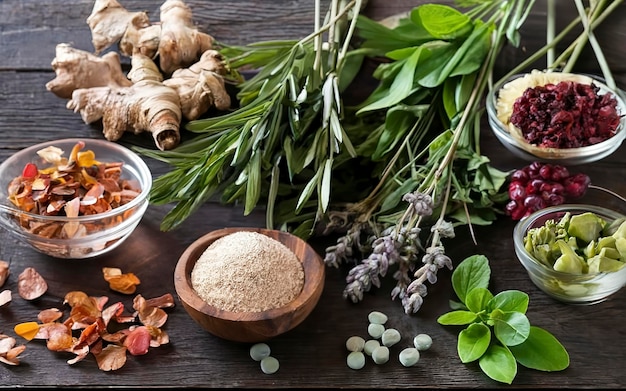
[175, 40]
[142, 101]
[76, 69]
[109, 21]
[146, 106]
[201, 86]
[180, 44]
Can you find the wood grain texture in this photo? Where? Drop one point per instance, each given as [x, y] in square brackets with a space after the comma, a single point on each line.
[312, 355]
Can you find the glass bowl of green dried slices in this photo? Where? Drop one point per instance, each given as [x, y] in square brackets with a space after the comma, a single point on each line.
[575, 253]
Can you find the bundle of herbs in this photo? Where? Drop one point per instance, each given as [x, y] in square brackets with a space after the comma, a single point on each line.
[393, 174]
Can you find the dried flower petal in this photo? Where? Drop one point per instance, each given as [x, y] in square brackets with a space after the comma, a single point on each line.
[4, 272]
[49, 315]
[5, 297]
[138, 341]
[30, 284]
[111, 358]
[27, 330]
[120, 282]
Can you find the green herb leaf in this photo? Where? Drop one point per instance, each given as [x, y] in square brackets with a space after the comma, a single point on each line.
[510, 300]
[477, 299]
[541, 351]
[473, 342]
[441, 21]
[512, 328]
[472, 272]
[499, 364]
[457, 318]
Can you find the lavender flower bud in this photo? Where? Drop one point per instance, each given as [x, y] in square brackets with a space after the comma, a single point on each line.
[412, 303]
[445, 229]
[422, 203]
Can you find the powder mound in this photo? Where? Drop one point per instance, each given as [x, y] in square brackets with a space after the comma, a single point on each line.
[247, 272]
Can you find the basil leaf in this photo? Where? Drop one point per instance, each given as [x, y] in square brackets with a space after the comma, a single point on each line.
[457, 318]
[541, 351]
[477, 299]
[473, 342]
[511, 300]
[472, 272]
[499, 364]
[512, 328]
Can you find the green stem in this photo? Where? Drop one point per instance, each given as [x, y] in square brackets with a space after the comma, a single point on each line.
[606, 71]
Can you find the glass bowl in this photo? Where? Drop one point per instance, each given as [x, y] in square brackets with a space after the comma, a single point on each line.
[86, 235]
[589, 288]
[498, 111]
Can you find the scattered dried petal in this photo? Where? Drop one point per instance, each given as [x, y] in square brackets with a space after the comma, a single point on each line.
[50, 315]
[30, 284]
[138, 340]
[111, 358]
[4, 272]
[5, 297]
[120, 282]
[27, 330]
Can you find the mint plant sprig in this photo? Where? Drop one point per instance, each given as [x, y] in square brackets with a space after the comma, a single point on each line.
[498, 334]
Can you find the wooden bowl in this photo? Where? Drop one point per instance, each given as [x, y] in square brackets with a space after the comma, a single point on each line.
[250, 326]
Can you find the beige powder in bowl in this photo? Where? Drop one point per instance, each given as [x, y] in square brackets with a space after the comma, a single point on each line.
[247, 272]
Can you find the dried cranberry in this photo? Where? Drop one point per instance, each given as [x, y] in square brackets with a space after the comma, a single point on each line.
[565, 115]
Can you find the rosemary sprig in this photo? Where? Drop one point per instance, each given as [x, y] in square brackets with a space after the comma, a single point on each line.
[286, 137]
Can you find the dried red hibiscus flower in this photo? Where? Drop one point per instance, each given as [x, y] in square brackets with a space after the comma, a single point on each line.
[91, 318]
[567, 114]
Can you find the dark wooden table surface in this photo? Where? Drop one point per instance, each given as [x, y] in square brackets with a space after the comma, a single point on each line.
[312, 355]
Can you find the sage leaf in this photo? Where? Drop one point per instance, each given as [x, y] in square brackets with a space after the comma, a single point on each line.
[472, 272]
[512, 328]
[457, 318]
[499, 364]
[401, 86]
[473, 342]
[541, 351]
[441, 21]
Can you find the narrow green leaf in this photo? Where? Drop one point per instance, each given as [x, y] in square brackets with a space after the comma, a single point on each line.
[541, 351]
[457, 318]
[499, 364]
[253, 185]
[326, 180]
[308, 189]
[272, 193]
[473, 342]
[400, 88]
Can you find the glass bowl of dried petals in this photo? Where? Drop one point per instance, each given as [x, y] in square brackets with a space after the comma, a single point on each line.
[73, 198]
[557, 117]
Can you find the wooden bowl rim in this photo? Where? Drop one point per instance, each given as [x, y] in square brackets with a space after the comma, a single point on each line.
[312, 264]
